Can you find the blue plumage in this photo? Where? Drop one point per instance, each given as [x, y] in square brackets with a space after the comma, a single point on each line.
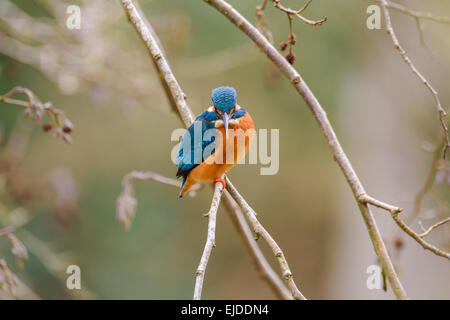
[196, 143]
[224, 98]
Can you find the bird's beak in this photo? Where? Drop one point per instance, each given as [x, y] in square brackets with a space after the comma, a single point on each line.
[225, 119]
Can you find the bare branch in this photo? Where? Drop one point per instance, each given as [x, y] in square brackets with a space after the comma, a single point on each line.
[126, 203]
[320, 115]
[262, 266]
[164, 70]
[399, 48]
[416, 14]
[364, 198]
[418, 238]
[429, 181]
[261, 231]
[434, 226]
[210, 240]
[297, 13]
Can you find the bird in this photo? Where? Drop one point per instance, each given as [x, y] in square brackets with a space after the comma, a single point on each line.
[218, 139]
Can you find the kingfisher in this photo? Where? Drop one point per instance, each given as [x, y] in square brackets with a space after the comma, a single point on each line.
[218, 139]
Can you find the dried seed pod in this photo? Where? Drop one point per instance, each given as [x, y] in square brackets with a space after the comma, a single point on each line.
[292, 39]
[290, 57]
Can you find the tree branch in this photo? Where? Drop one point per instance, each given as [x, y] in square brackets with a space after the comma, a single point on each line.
[399, 48]
[416, 14]
[320, 115]
[210, 240]
[262, 266]
[418, 237]
[261, 231]
[434, 226]
[169, 81]
[297, 13]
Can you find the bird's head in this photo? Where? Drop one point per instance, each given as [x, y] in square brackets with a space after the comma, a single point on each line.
[224, 102]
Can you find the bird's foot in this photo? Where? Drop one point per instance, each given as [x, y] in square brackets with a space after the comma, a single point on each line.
[224, 184]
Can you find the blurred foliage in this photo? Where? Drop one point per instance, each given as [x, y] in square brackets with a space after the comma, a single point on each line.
[104, 81]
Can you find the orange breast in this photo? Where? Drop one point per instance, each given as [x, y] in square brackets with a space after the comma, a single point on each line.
[240, 137]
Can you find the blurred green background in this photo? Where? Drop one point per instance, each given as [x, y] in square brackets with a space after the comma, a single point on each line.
[103, 79]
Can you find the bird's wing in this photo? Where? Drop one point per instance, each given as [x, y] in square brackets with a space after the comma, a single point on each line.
[192, 147]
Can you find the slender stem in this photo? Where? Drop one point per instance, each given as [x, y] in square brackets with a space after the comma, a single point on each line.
[416, 72]
[434, 226]
[419, 239]
[416, 14]
[210, 241]
[261, 231]
[262, 266]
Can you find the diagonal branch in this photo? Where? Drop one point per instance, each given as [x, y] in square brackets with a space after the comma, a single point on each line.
[320, 115]
[264, 269]
[166, 75]
[418, 237]
[261, 231]
[210, 240]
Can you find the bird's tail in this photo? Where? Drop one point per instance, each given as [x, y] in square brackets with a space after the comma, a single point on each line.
[181, 194]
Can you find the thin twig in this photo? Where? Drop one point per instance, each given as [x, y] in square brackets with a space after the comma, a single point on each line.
[377, 203]
[434, 226]
[403, 54]
[297, 13]
[418, 238]
[429, 181]
[210, 241]
[416, 14]
[320, 115]
[164, 70]
[261, 231]
[126, 203]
